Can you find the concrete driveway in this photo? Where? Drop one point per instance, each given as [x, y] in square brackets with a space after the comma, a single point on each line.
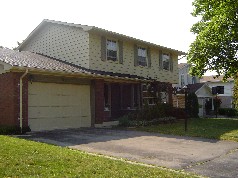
[202, 156]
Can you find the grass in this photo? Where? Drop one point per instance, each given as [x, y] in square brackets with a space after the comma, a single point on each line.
[22, 158]
[222, 129]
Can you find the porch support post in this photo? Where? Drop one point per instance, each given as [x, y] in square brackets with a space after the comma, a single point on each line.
[170, 93]
[139, 96]
[99, 101]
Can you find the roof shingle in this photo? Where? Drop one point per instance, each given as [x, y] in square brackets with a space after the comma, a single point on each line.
[214, 79]
[38, 61]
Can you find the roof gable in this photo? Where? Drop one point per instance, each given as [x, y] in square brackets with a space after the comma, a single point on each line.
[182, 65]
[200, 89]
[92, 29]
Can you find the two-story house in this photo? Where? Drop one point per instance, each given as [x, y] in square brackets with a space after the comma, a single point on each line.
[227, 87]
[69, 76]
[184, 77]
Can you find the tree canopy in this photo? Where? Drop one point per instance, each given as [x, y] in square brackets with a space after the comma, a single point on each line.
[216, 44]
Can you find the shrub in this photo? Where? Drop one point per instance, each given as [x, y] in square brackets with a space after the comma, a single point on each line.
[149, 113]
[230, 112]
[222, 111]
[192, 105]
[179, 113]
[216, 103]
[124, 121]
[7, 130]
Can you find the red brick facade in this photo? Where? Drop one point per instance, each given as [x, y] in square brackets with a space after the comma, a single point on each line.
[10, 99]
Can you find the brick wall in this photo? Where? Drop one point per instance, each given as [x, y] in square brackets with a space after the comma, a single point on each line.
[10, 99]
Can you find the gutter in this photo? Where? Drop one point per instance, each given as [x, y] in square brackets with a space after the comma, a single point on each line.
[75, 74]
[21, 94]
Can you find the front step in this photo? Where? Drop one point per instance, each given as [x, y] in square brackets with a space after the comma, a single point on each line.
[107, 124]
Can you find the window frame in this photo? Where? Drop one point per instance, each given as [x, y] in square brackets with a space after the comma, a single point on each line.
[110, 58]
[163, 61]
[139, 62]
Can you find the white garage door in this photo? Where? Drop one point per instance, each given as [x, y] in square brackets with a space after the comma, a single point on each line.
[58, 106]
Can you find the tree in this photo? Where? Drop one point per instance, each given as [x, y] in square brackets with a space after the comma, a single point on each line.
[235, 92]
[216, 44]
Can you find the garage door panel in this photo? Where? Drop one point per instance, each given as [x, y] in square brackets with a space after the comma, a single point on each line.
[59, 111]
[58, 106]
[59, 123]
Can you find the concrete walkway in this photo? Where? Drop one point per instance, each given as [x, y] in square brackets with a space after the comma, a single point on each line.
[205, 157]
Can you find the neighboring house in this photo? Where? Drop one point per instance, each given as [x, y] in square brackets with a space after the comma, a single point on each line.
[193, 84]
[204, 95]
[184, 77]
[71, 76]
[227, 97]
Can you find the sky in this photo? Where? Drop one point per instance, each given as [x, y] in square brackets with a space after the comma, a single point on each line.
[163, 22]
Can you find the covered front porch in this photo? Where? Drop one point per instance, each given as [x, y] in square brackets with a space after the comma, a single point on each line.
[113, 99]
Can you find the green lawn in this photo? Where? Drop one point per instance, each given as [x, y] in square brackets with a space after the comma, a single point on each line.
[223, 129]
[22, 158]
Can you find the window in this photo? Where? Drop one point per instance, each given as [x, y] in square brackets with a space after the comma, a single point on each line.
[142, 56]
[218, 90]
[164, 97]
[182, 80]
[165, 61]
[111, 50]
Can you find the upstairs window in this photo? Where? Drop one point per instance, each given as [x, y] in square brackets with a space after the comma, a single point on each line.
[142, 54]
[111, 50]
[166, 61]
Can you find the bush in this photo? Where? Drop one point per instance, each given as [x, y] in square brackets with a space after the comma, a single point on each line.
[230, 112]
[149, 113]
[216, 103]
[192, 105]
[222, 111]
[124, 121]
[11, 130]
[179, 113]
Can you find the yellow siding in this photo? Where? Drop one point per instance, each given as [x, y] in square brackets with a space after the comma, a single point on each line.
[1, 69]
[62, 42]
[128, 62]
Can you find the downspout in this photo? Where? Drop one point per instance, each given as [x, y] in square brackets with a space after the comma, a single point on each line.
[21, 94]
